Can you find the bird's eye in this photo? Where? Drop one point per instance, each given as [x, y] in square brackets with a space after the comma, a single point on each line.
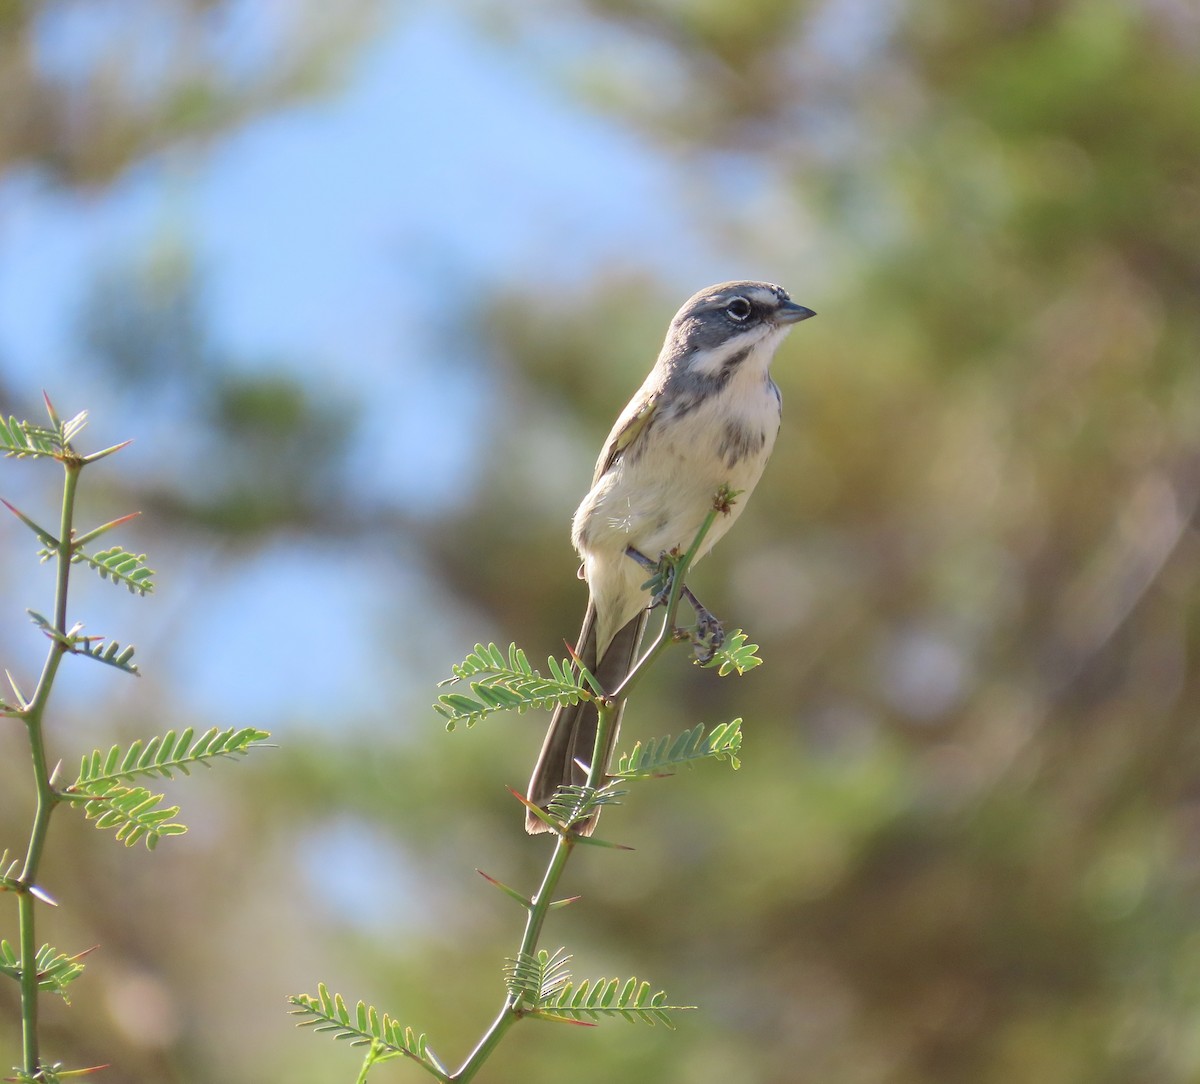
[739, 309]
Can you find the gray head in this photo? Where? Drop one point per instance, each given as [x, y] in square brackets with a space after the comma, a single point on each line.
[728, 319]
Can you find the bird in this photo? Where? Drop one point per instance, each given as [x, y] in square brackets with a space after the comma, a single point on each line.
[706, 416]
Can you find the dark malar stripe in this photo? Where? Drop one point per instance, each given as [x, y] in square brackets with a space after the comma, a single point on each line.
[688, 389]
[730, 366]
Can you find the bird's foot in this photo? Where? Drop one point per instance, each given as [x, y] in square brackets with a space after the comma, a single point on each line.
[708, 635]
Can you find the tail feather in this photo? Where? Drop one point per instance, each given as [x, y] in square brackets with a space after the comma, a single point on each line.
[571, 738]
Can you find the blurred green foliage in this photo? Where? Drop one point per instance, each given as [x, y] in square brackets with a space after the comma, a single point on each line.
[963, 841]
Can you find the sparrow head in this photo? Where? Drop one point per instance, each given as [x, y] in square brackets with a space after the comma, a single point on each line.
[730, 319]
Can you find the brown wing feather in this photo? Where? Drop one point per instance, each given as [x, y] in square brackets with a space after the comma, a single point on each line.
[625, 432]
[572, 733]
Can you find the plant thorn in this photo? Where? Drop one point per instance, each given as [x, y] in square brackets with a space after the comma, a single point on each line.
[12, 681]
[592, 841]
[107, 452]
[537, 811]
[119, 521]
[512, 893]
[41, 894]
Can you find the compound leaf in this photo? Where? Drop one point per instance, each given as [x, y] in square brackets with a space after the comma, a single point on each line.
[120, 566]
[366, 1026]
[55, 970]
[134, 812]
[162, 757]
[734, 656]
[503, 682]
[660, 756]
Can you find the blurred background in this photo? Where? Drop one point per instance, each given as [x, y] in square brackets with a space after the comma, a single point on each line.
[367, 283]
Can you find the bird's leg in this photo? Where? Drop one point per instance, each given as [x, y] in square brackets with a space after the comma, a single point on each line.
[661, 580]
[708, 635]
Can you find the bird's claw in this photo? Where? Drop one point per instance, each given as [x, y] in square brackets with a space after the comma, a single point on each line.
[708, 637]
[663, 594]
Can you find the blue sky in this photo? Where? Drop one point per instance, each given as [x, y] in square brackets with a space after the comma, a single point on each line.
[327, 233]
[316, 223]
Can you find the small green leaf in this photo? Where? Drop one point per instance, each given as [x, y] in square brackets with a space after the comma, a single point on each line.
[133, 811]
[22, 439]
[9, 870]
[631, 1000]
[162, 756]
[735, 656]
[329, 1013]
[55, 970]
[505, 682]
[535, 979]
[573, 804]
[94, 647]
[661, 756]
[120, 566]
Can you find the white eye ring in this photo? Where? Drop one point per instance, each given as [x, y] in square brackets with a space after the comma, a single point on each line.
[739, 309]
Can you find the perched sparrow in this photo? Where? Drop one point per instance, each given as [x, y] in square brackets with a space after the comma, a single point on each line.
[707, 415]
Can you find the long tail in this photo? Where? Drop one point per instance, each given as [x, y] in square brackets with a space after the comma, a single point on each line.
[572, 733]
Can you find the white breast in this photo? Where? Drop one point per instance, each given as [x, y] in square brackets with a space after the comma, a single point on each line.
[657, 499]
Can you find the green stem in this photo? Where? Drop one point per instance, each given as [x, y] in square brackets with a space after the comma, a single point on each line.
[368, 1061]
[46, 796]
[666, 633]
[539, 905]
[29, 983]
[489, 1042]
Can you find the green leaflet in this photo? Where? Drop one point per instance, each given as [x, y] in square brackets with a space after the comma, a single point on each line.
[55, 970]
[735, 656]
[500, 682]
[329, 1013]
[120, 566]
[659, 756]
[162, 756]
[542, 985]
[134, 812]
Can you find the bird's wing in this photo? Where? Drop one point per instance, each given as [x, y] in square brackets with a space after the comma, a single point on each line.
[632, 423]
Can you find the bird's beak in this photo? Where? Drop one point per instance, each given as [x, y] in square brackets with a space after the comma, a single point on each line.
[791, 313]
